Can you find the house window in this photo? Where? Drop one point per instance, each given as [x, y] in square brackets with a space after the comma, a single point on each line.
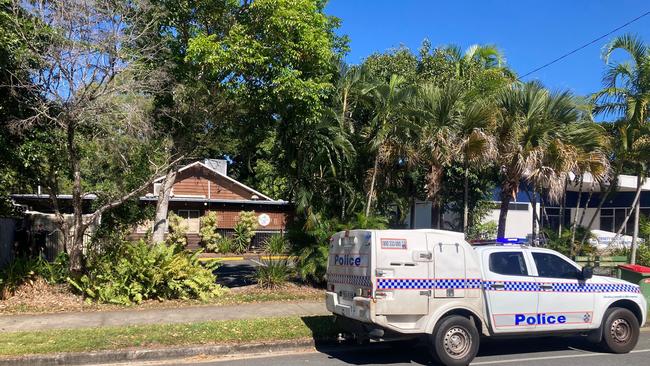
[189, 214]
[612, 218]
[192, 218]
[553, 215]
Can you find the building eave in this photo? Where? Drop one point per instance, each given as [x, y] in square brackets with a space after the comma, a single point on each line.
[206, 200]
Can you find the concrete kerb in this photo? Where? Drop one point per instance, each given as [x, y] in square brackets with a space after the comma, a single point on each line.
[169, 353]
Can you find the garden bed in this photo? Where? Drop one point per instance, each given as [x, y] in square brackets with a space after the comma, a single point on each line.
[39, 297]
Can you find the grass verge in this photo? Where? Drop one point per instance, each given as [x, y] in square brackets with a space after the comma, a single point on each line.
[231, 331]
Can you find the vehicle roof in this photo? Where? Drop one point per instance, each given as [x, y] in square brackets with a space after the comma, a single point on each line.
[506, 247]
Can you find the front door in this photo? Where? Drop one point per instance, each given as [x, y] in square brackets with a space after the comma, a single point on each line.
[510, 290]
[565, 301]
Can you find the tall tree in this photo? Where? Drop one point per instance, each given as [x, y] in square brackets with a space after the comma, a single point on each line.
[91, 83]
[388, 123]
[529, 119]
[626, 95]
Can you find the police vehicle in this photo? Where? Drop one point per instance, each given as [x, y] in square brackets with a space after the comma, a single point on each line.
[384, 284]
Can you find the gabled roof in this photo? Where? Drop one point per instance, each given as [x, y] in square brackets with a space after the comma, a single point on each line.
[242, 185]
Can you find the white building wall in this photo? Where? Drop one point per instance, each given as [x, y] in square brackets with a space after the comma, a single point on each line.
[519, 223]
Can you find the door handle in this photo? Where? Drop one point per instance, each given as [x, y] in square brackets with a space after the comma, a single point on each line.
[425, 293]
[546, 287]
[498, 286]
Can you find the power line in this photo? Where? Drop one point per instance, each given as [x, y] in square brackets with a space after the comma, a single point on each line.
[585, 45]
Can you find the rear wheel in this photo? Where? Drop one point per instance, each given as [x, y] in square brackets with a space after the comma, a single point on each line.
[455, 341]
[620, 330]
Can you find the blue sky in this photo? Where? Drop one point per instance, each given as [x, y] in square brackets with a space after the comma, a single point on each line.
[530, 33]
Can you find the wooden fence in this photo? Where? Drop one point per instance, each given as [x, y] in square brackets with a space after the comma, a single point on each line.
[603, 265]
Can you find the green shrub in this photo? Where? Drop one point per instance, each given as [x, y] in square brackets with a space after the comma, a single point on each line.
[244, 231]
[56, 271]
[274, 272]
[19, 271]
[224, 245]
[562, 242]
[27, 269]
[482, 231]
[176, 230]
[133, 272]
[210, 238]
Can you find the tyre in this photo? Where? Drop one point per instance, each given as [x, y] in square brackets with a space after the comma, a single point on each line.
[455, 341]
[620, 330]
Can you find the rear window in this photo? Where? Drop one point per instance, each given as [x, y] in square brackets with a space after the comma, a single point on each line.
[508, 263]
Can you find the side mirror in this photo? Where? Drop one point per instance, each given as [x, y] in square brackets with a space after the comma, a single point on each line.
[587, 273]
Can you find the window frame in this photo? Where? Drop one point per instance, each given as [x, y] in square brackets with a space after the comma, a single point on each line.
[523, 257]
[560, 256]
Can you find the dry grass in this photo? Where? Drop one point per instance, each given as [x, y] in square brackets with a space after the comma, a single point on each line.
[39, 297]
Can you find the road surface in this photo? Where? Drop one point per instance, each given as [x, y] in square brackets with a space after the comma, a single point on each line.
[528, 352]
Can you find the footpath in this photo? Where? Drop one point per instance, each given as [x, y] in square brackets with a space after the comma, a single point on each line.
[14, 323]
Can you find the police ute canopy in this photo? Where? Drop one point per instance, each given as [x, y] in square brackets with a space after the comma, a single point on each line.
[432, 285]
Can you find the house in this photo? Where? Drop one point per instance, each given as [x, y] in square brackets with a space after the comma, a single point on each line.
[200, 187]
[585, 200]
[204, 186]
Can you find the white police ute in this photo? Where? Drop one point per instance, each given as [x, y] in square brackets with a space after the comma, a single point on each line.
[384, 284]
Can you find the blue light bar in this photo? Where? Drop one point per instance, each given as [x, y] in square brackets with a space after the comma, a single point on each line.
[512, 240]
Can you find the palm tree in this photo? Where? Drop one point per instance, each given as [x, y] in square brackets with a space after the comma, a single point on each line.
[530, 119]
[438, 111]
[487, 56]
[626, 94]
[389, 126]
[475, 142]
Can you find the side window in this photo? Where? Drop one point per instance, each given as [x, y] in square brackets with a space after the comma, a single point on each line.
[508, 263]
[550, 265]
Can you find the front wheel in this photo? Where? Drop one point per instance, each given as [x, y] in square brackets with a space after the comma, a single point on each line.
[620, 330]
[455, 341]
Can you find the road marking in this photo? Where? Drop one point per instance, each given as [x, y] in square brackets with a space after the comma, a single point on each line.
[549, 358]
[257, 262]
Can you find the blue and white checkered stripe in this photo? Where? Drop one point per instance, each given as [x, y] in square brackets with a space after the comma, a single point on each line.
[475, 283]
[363, 281]
[427, 283]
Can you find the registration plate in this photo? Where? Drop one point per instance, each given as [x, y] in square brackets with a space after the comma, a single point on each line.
[346, 294]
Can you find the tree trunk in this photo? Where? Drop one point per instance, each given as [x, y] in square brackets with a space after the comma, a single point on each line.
[74, 245]
[584, 211]
[162, 206]
[637, 195]
[560, 225]
[639, 183]
[574, 226]
[503, 213]
[535, 218]
[466, 200]
[371, 193]
[605, 194]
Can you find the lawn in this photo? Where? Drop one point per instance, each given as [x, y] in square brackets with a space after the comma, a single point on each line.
[217, 332]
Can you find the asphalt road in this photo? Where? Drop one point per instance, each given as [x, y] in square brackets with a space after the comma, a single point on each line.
[236, 273]
[529, 352]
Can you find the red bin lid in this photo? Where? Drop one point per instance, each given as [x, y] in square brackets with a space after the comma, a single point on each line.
[635, 268]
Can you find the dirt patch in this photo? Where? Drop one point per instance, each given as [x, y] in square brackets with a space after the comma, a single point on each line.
[38, 297]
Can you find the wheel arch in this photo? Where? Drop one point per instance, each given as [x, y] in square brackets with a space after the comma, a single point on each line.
[629, 305]
[462, 311]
